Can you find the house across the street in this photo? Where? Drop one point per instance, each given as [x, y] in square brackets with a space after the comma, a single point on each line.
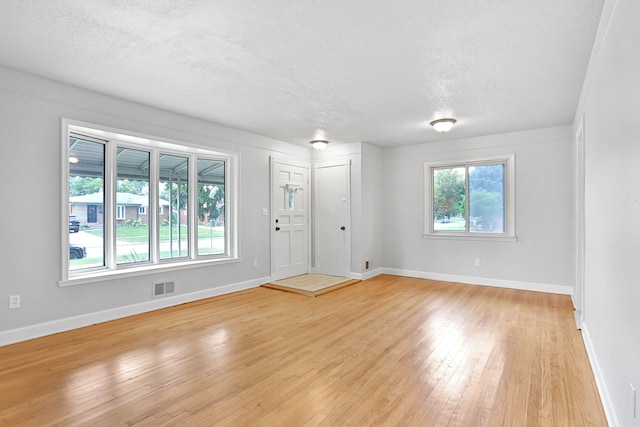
[89, 208]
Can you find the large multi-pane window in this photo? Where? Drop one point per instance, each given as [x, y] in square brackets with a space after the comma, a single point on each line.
[143, 203]
[472, 198]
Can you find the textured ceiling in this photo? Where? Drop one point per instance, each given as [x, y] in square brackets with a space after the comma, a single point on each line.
[363, 70]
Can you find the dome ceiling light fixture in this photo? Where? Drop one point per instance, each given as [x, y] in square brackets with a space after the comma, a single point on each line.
[443, 125]
[319, 144]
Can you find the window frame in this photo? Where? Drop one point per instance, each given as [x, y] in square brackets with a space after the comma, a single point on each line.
[509, 233]
[114, 138]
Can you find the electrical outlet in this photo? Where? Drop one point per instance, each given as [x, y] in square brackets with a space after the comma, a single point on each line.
[255, 263]
[14, 301]
[477, 262]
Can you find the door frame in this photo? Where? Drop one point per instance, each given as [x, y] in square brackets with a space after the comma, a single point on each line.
[579, 272]
[314, 224]
[272, 231]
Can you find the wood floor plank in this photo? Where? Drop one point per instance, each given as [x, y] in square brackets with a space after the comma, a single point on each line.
[386, 351]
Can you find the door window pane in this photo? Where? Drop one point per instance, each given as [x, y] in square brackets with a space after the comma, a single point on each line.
[291, 198]
[132, 186]
[449, 204]
[211, 207]
[86, 199]
[173, 206]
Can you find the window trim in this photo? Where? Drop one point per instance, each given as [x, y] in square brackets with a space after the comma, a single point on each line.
[509, 199]
[112, 138]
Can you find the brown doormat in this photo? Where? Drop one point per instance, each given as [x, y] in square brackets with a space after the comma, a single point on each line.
[311, 285]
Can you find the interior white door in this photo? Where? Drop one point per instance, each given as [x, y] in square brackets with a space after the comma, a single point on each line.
[332, 220]
[289, 220]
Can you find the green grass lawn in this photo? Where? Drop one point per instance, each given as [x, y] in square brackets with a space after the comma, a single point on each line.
[140, 234]
[456, 224]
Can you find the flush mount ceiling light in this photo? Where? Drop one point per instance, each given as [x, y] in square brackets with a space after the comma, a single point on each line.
[443, 125]
[319, 144]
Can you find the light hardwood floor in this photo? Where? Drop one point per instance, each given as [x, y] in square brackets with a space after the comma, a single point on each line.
[387, 351]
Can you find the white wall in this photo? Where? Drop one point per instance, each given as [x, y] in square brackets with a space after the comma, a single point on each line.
[541, 259]
[30, 179]
[611, 100]
[372, 200]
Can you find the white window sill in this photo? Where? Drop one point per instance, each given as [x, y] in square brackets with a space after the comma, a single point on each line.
[479, 237]
[104, 275]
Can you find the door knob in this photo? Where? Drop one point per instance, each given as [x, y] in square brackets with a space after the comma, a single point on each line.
[343, 228]
[277, 228]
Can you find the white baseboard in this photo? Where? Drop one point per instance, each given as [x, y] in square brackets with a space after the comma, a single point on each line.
[366, 275]
[485, 281]
[605, 396]
[75, 322]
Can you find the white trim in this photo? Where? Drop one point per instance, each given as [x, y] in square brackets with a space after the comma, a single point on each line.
[337, 161]
[579, 215]
[475, 236]
[75, 322]
[366, 275]
[603, 390]
[483, 281]
[165, 265]
[291, 161]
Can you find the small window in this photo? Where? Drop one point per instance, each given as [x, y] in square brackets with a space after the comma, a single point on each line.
[121, 212]
[142, 210]
[470, 199]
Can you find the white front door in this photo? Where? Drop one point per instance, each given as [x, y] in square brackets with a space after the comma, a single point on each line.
[289, 220]
[332, 219]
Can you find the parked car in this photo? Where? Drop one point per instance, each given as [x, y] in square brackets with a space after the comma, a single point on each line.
[77, 252]
[74, 224]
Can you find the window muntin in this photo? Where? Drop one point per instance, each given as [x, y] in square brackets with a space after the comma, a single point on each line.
[156, 177]
[470, 198]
